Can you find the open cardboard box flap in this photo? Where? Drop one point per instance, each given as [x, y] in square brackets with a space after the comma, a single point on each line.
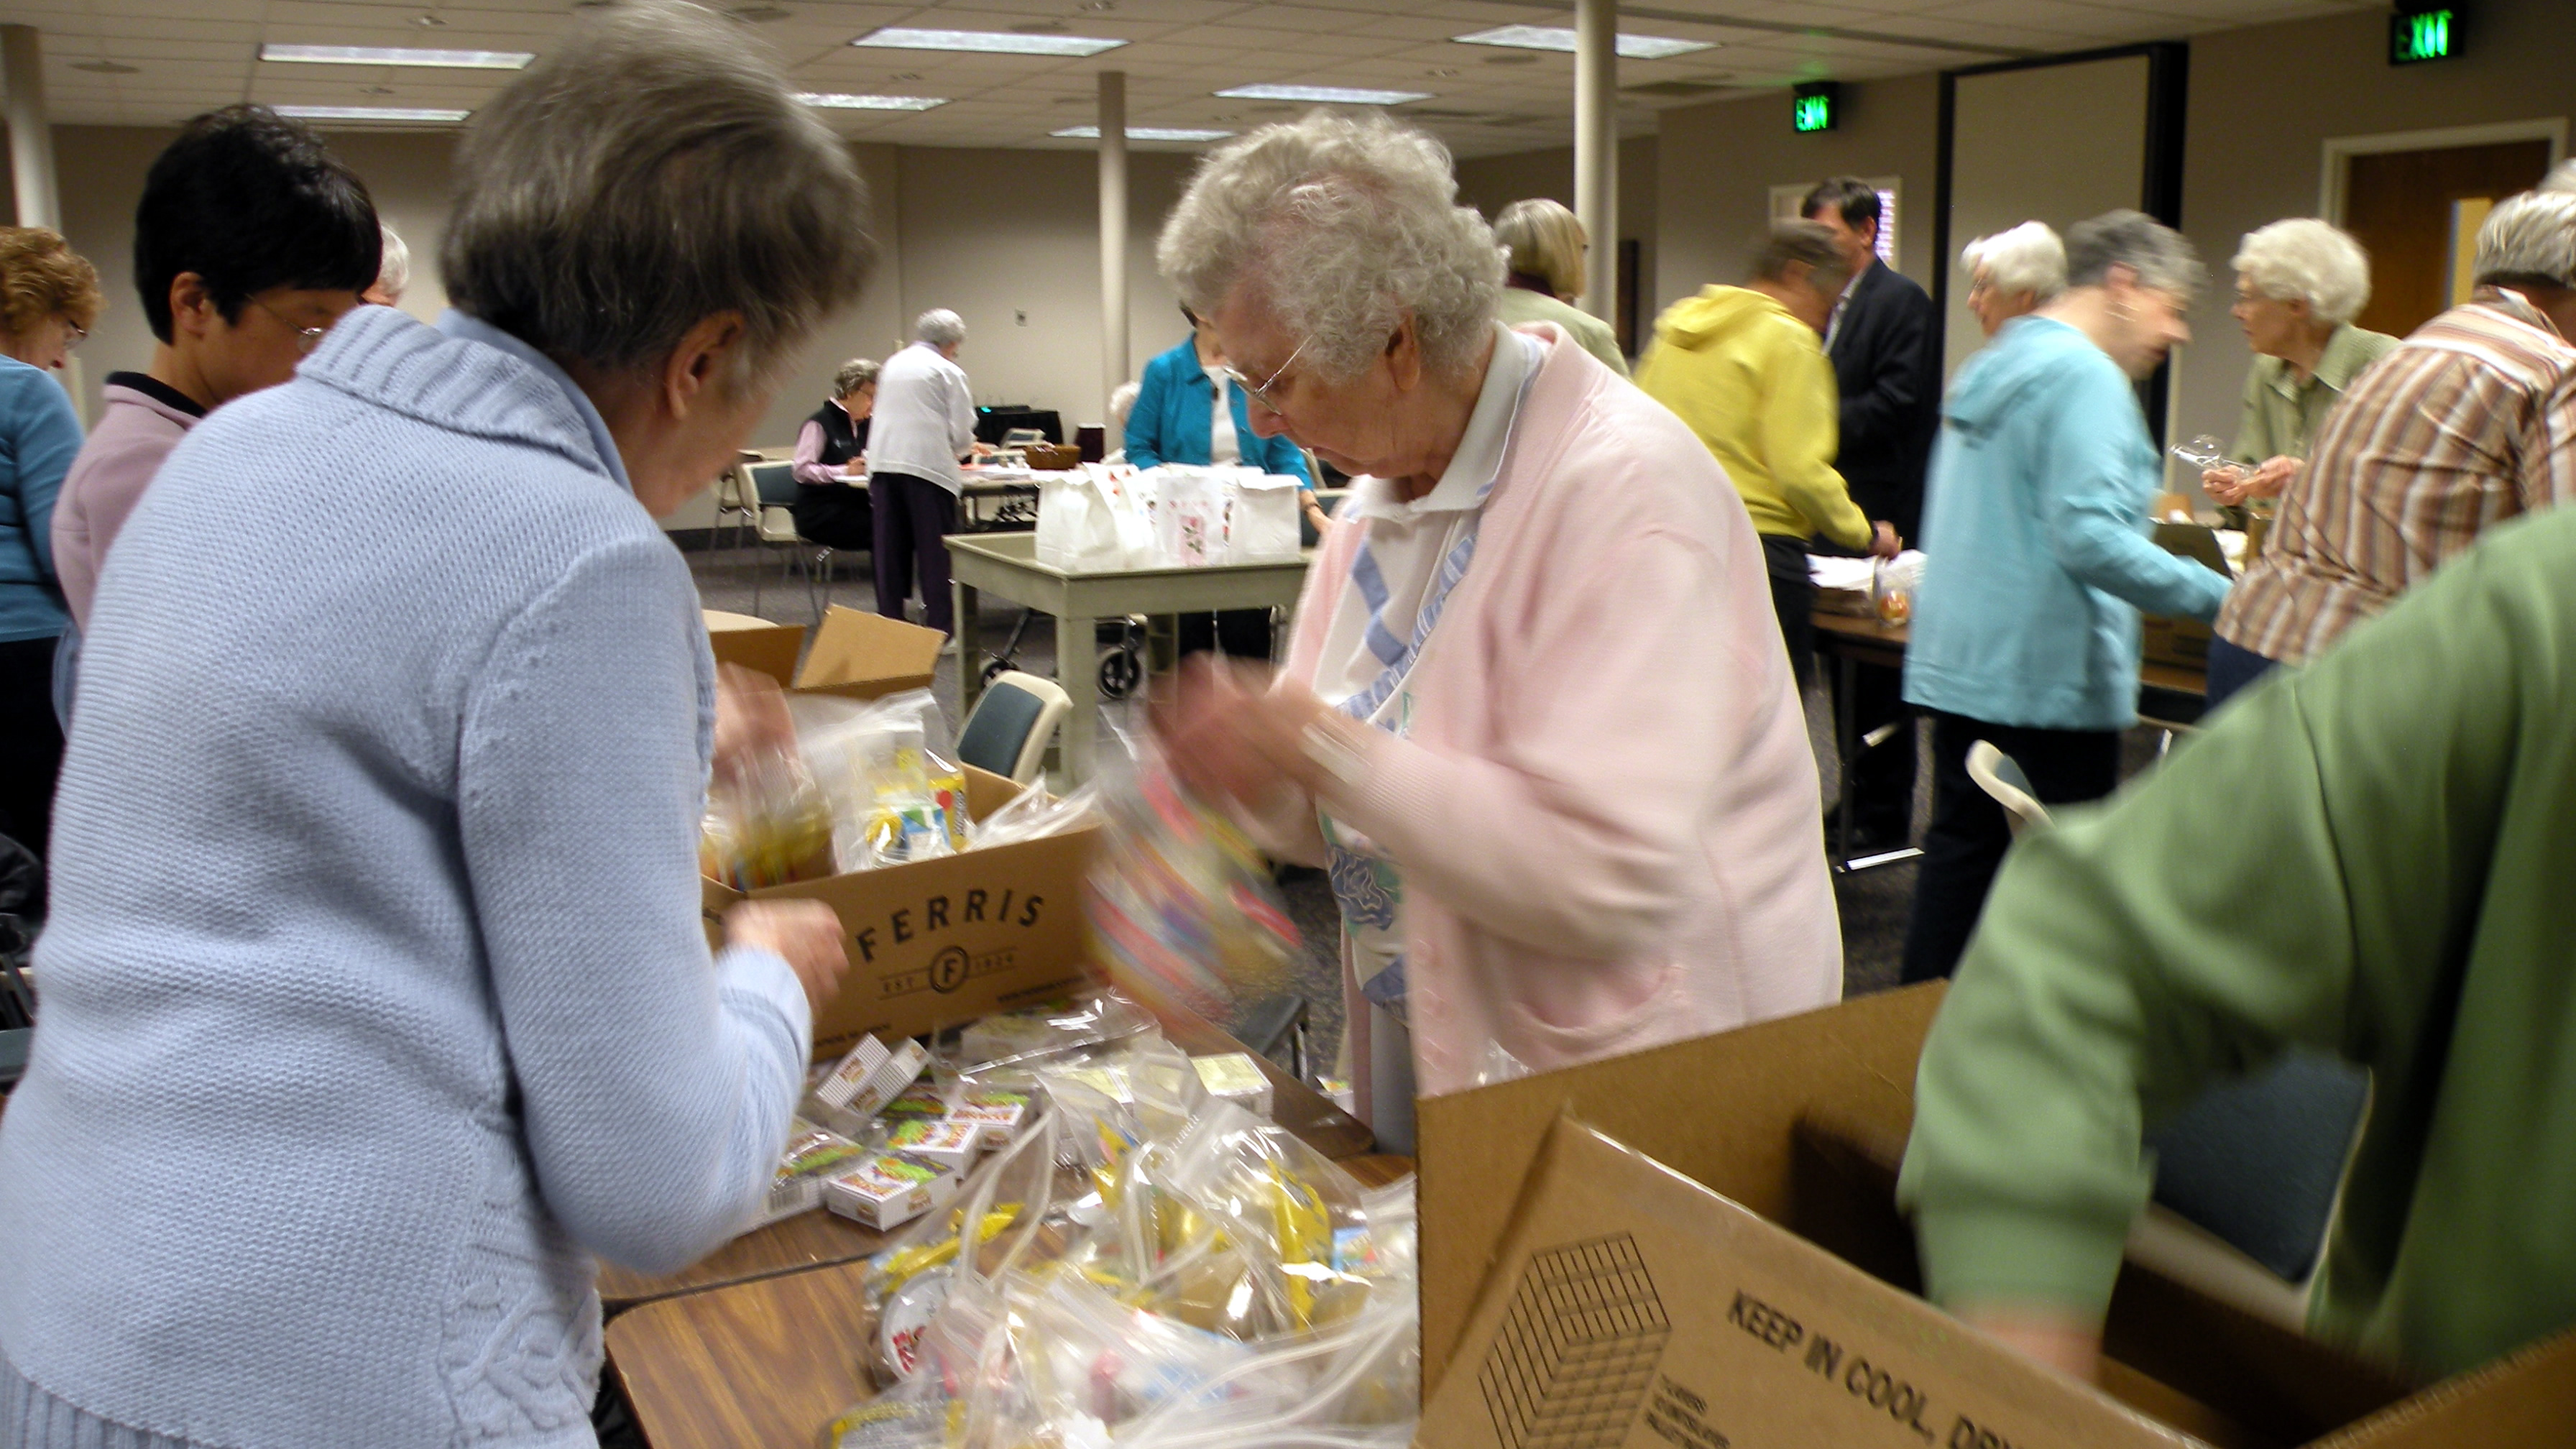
[865, 656]
[935, 943]
[1725, 1265]
[756, 644]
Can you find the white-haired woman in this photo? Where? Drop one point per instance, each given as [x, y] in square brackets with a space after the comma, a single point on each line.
[1536, 717]
[393, 270]
[375, 914]
[2299, 283]
[1543, 246]
[2013, 273]
[923, 427]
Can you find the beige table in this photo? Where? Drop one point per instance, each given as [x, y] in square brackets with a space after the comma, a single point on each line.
[1005, 565]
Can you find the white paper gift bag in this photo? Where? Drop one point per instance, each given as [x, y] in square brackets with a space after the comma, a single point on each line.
[1261, 518]
[1082, 527]
[1189, 516]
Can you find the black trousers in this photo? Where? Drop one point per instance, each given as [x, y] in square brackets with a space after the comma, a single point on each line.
[913, 516]
[836, 515]
[1793, 598]
[31, 740]
[1969, 832]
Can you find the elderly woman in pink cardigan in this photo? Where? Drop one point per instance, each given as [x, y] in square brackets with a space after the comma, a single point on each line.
[1536, 719]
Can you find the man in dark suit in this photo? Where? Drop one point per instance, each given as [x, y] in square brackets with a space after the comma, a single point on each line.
[1884, 343]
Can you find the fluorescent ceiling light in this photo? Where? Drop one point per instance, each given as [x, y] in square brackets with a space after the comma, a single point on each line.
[371, 113]
[398, 55]
[841, 101]
[1558, 37]
[1143, 133]
[1324, 95]
[895, 37]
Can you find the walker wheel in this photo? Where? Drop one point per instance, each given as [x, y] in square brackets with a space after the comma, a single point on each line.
[1120, 672]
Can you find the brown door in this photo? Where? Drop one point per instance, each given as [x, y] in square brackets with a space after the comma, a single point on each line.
[2417, 212]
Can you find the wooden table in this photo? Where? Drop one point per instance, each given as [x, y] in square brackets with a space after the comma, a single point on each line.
[764, 1365]
[814, 1240]
[1005, 565]
[1853, 641]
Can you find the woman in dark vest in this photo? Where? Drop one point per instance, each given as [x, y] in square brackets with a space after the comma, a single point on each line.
[831, 464]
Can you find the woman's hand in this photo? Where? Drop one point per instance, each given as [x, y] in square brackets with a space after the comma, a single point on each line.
[751, 720]
[2047, 1335]
[806, 934]
[2268, 480]
[2227, 485]
[1236, 731]
[1883, 542]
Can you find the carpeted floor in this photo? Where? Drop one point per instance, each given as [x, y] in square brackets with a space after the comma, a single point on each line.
[1874, 903]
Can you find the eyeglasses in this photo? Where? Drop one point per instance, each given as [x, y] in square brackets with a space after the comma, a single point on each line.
[1261, 390]
[306, 338]
[74, 336]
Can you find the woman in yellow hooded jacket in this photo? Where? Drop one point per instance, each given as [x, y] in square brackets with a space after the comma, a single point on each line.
[1743, 367]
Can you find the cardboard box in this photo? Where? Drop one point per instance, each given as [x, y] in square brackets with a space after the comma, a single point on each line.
[756, 644]
[1746, 1280]
[934, 943]
[865, 656]
[2181, 642]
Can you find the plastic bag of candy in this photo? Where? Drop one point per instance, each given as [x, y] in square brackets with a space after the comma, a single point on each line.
[1181, 906]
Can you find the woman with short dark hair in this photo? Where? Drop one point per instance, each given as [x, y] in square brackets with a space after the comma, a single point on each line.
[377, 1001]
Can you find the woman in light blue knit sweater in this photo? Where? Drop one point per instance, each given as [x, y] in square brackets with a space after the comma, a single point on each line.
[375, 995]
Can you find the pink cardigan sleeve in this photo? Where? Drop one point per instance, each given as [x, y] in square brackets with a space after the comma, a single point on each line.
[1613, 729]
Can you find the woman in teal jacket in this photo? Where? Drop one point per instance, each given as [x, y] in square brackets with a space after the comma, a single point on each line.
[1175, 421]
[2037, 559]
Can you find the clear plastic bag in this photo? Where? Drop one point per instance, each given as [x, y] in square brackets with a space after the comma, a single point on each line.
[1182, 910]
[1033, 814]
[895, 792]
[768, 825]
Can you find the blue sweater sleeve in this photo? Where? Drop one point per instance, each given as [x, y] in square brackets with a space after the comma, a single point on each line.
[654, 1091]
[2090, 505]
[44, 437]
[1145, 420]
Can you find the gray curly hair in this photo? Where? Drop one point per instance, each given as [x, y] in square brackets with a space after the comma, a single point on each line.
[2156, 253]
[649, 171]
[2307, 260]
[854, 374]
[1343, 224]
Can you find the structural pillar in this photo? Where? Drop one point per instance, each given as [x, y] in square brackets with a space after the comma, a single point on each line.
[31, 140]
[1596, 149]
[1113, 238]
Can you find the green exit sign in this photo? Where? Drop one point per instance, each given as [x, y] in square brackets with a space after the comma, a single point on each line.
[2421, 35]
[1816, 106]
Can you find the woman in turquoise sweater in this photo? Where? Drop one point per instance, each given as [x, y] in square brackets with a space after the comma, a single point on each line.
[2037, 558]
[48, 298]
[1176, 420]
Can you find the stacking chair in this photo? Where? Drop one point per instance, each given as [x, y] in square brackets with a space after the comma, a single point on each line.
[2248, 1174]
[773, 484]
[737, 506]
[1007, 734]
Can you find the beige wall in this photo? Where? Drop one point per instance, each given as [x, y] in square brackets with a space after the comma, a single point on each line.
[1720, 161]
[1490, 183]
[2004, 171]
[998, 236]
